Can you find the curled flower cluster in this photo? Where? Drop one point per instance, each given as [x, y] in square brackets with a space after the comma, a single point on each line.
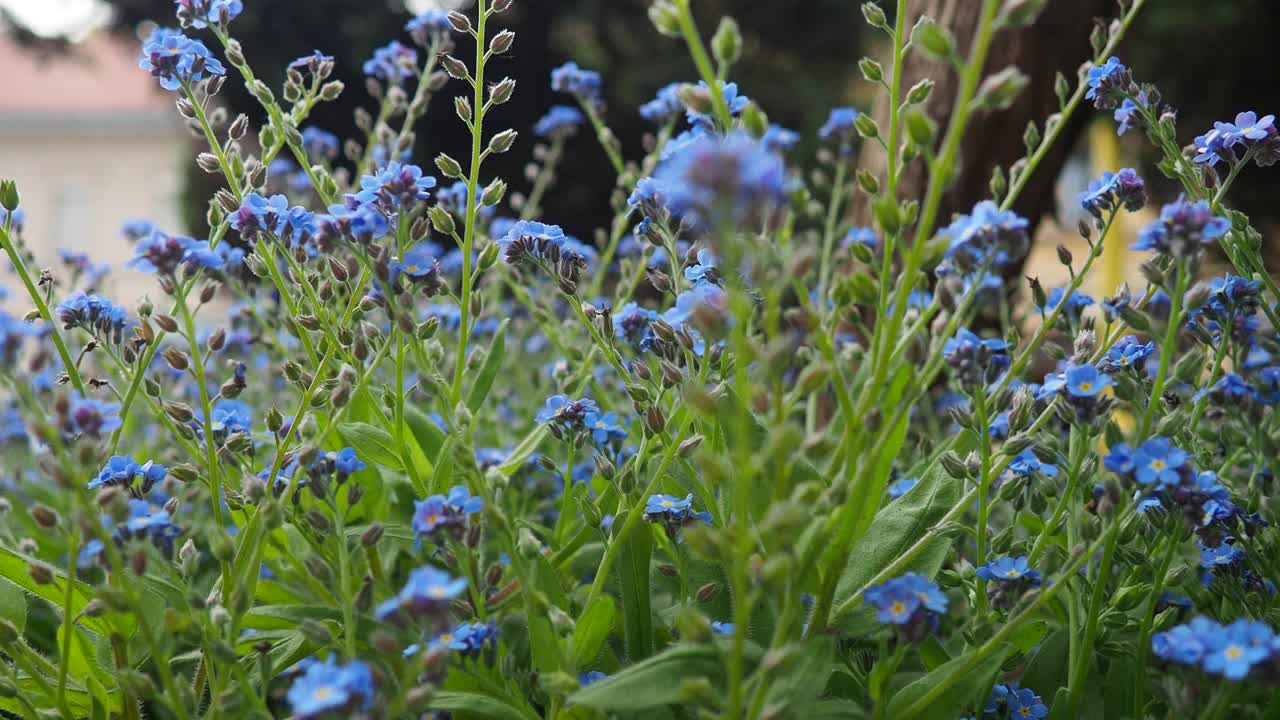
[1110, 84]
[571, 79]
[712, 180]
[1184, 229]
[910, 602]
[975, 360]
[547, 247]
[97, 315]
[1010, 702]
[123, 471]
[1249, 136]
[178, 60]
[560, 121]
[1112, 191]
[200, 14]
[987, 237]
[392, 63]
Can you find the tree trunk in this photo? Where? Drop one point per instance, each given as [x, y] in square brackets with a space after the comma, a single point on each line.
[1057, 42]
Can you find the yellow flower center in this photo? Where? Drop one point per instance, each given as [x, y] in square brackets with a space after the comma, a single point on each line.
[1158, 465]
[667, 503]
[898, 608]
[1086, 387]
[446, 639]
[1234, 652]
[323, 692]
[437, 591]
[1011, 573]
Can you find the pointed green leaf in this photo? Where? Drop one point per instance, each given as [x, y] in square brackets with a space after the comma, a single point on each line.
[372, 444]
[653, 682]
[592, 630]
[492, 363]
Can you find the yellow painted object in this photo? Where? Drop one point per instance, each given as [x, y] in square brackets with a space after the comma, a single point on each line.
[1104, 154]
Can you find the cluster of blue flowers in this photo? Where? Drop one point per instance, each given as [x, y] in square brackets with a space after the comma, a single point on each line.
[673, 513]
[810, 420]
[201, 14]
[988, 240]
[1185, 229]
[586, 85]
[97, 315]
[975, 360]
[714, 181]
[164, 254]
[427, 593]
[1231, 650]
[123, 471]
[441, 516]
[392, 63]
[177, 60]
[1010, 702]
[1248, 137]
[911, 602]
[559, 122]
[326, 688]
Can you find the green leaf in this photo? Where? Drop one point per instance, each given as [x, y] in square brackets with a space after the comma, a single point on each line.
[475, 705]
[973, 683]
[429, 435]
[372, 444]
[249, 556]
[492, 363]
[13, 567]
[444, 467]
[895, 529]
[653, 682]
[1029, 635]
[836, 710]
[591, 631]
[804, 683]
[83, 659]
[13, 605]
[1047, 669]
[633, 572]
[932, 653]
[544, 646]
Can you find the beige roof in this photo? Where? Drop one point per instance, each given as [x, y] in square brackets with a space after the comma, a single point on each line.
[97, 75]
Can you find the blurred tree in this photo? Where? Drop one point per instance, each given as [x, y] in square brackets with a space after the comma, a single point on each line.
[801, 59]
[1057, 42]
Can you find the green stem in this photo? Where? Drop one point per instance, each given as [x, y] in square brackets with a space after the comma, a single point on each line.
[1167, 349]
[1002, 635]
[1052, 133]
[64, 665]
[1148, 619]
[702, 61]
[344, 580]
[42, 307]
[984, 492]
[473, 188]
[206, 409]
[1080, 671]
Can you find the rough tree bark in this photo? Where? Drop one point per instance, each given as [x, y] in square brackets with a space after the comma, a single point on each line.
[1057, 42]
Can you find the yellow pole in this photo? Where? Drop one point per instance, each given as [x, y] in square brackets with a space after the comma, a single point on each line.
[1104, 154]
